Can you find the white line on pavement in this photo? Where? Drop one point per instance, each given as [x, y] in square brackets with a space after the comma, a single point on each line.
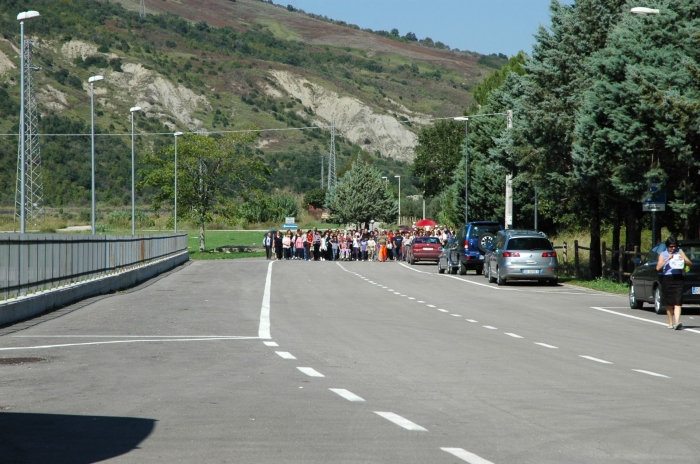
[605, 310]
[131, 336]
[471, 320]
[547, 346]
[490, 327]
[411, 298]
[591, 358]
[270, 344]
[443, 310]
[350, 396]
[285, 355]
[465, 455]
[414, 270]
[127, 341]
[431, 306]
[651, 373]
[400, 421]
[264, 330]
[456, 315]
[311, 372]
[513, 335]
[420, 301]
[397, 293]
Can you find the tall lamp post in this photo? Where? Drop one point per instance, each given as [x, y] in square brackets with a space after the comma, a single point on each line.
[92, 81]
[176, 134]
[399, 178]
[133, 191]
[386, 179]
[466, 166]
[23, 161]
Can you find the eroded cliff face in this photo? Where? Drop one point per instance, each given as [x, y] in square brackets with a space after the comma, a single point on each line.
[353, 119]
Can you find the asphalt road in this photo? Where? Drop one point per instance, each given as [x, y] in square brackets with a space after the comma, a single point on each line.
[245, 361]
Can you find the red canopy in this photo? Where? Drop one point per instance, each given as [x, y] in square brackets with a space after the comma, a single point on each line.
[426, 223]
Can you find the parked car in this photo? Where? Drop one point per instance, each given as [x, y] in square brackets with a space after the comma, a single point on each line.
[522, 255]
[423, 249]
[467, 249]
[645, 282]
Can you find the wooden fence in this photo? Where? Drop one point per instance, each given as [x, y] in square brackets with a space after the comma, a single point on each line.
[624, 258]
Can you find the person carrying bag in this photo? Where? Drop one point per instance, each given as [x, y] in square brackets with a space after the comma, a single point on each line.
[670, 267]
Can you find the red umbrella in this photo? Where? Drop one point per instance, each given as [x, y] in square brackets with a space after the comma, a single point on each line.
[426, 223]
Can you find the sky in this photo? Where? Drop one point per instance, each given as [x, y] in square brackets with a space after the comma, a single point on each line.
[483, 26]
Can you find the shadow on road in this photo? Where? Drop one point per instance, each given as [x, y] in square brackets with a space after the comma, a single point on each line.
[57, 438]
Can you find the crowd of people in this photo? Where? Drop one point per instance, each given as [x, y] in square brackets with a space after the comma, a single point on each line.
[346, 245]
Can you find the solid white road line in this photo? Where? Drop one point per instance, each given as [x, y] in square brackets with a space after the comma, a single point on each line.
[513, 335]
[131, 336]
[400, 421]
[651, 373]
[465, 455]
[490, 327]
[311, 372]
[127, 341]
[638, 318]
[350, 396]
[285, 355]
[591, 358]
[264, 330]
[547, 346]
[270, 344]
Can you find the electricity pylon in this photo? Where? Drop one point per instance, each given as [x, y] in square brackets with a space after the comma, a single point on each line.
[332, 178]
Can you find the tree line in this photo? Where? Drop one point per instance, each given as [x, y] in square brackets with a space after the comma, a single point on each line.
[606, 105]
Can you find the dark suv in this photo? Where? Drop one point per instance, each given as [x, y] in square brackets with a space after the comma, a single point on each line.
[467, 250]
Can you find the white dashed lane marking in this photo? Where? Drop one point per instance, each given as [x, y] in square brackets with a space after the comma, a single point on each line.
[490, 327]
[546, 346]
[471, 320]
[270, 344]
[431, 306]
[591, 358]
[513, 335]
[285, 355]
[400, 421]
[651, 373]
[443, 310]
[350, 396]
[311, 372]
[465, 455]
[456, 315]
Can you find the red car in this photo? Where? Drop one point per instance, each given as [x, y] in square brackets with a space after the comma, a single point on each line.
[423, 249]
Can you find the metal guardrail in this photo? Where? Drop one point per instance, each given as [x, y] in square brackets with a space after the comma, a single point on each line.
[34, 262]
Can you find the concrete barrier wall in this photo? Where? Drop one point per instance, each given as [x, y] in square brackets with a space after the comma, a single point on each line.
[23, 307]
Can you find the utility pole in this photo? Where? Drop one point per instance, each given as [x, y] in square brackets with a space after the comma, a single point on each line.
[322, 176]
[142, 9]
[332, 179]
[509, 183]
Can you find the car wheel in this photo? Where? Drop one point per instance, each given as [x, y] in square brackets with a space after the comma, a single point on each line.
[453, 270]
[499, 280]
[462, 268]
[634, 302]
[440, 269]
[491, 278]
[658, 307]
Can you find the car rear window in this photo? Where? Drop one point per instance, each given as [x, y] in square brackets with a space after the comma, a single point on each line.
[480, 229]
[529, 243]
[431, 240]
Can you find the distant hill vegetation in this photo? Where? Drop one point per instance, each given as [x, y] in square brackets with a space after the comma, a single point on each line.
[222, 67]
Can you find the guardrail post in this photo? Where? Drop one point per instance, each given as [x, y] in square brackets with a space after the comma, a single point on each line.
[621, 265]
[576, 259]
[604, 262]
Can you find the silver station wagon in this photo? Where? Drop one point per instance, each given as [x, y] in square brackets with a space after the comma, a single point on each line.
[521, 255]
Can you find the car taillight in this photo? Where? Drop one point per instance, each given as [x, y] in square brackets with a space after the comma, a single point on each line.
[466, 244]
[549, 254]
[511, 254]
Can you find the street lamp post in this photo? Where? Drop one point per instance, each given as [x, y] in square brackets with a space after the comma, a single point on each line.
[92, 81]
[466, 166]
[21, 17]
[133, 191]
[386, 179]
[176, 134]
[399, 178]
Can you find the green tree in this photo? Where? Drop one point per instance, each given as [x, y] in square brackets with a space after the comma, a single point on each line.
[516, 64]
[438, 153]
[361, 196]
[315, 197]
[210, 171]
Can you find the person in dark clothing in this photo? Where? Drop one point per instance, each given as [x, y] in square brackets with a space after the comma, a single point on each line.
[670, 267]
[278, 245]
[398, 251]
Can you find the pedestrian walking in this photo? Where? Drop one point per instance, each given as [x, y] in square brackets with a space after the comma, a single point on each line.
[278, 245]
[268, 243]
[670, 267]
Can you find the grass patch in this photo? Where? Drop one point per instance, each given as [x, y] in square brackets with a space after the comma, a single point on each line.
[600, 284]
[219, 238]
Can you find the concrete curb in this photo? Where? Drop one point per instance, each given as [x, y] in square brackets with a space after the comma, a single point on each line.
[28, 306]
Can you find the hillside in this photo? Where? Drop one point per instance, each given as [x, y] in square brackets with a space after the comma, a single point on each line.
[219, 65]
